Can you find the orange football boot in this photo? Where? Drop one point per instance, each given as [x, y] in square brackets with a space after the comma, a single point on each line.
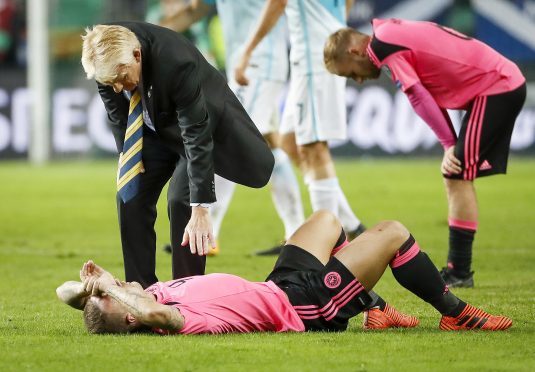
[473, 318]
[388, 318]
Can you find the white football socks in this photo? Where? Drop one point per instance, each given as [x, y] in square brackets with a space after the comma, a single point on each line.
[224, 189]
[346, 216]
[324, 194]
[285, 193]
[327, 194]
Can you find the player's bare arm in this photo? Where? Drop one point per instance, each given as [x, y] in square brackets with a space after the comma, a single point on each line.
[73, 294]
[273, 10]
[141, 304]
[186, 16]
[145, 308]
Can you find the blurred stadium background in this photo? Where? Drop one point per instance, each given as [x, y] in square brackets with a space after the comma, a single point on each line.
[55, 216]
[40, 50]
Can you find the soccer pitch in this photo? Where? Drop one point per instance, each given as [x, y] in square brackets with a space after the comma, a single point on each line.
[55, 217]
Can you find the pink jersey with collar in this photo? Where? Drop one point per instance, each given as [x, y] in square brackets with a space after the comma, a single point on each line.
[224, 303]
[452, 67]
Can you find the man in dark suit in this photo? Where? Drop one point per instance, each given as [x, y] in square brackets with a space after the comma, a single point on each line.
[174, 119]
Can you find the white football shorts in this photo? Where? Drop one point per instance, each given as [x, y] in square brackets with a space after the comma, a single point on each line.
[315, 108]
[261, 99]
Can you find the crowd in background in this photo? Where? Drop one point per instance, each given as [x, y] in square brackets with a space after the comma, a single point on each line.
[67, 18]
[13, 32]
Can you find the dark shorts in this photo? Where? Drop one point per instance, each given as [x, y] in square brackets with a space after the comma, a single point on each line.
[485, 134]
[324, 296]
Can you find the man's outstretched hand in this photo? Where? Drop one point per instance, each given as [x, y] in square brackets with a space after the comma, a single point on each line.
[199, 232]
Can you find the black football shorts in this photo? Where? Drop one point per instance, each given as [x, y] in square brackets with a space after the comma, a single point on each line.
[324, 296]
[485, 134]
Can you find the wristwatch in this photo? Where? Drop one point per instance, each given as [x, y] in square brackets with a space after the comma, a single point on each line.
[204, 205]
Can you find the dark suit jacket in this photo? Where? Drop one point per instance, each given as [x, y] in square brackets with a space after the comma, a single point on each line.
[192, 110]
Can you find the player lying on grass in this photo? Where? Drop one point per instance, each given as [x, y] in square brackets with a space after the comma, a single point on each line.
[310, 289]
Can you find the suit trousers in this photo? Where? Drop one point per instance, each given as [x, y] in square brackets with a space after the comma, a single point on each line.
[138, 216]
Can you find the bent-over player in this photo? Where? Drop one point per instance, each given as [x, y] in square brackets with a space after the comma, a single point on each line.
[439, 68]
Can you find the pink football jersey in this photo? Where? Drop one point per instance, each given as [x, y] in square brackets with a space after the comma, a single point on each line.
[224, 303]
[451, 66]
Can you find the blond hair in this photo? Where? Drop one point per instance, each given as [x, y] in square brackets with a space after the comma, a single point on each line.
[96, 321]
[336, 47]
[93, 319]
[105, 49]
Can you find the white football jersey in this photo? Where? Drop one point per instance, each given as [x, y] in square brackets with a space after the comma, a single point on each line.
[310, 22]
[239, 19]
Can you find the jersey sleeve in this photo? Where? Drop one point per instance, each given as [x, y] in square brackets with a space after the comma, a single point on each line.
[402, 71]
[437, 119]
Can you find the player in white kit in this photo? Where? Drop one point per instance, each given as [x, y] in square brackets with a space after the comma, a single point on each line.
[268, 72]
[312, 110]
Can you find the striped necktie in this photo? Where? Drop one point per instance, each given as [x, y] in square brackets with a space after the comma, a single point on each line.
[130, 163]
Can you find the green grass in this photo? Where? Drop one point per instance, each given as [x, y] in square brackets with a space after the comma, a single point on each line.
[55, 217]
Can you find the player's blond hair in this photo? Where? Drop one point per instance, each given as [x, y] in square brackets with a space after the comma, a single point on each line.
[97, 322]
[336, 47]
[105, 49]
